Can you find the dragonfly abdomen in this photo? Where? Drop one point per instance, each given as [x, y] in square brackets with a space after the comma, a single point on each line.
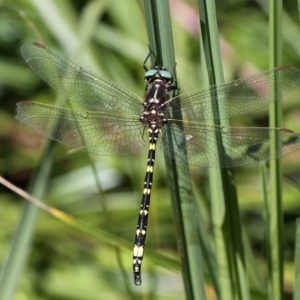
[141, 230]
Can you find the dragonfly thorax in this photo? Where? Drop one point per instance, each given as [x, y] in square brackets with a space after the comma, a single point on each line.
[154, 106]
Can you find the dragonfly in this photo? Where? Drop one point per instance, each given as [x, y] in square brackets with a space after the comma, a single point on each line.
[119, 119]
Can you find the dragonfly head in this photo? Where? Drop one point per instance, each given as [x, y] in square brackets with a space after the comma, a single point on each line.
[160, 73]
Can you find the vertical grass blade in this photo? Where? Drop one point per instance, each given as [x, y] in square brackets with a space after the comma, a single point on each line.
[184, 207]
[297, 262]
[233, 281]
[274, 208]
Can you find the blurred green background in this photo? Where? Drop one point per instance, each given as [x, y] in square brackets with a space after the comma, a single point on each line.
[109, 37]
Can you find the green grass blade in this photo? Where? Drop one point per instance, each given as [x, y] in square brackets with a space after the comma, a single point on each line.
[297, 262]
[184, 207]
[19, 249]
[110, 226]
[233, 281]
[275, 223]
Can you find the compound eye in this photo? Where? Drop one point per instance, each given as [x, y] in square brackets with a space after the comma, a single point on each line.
[149, 74]
[166, 75]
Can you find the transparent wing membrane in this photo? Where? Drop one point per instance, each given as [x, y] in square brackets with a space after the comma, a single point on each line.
[77, 84]
[224, 147]
[115, 127]
[238, 97]
[94, 132]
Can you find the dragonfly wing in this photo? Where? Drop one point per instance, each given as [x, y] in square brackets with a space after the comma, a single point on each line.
[79, 85]
[94, 132]
[237, 97]
[196, 143]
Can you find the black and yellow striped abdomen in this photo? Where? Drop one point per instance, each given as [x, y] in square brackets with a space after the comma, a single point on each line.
[141, 229]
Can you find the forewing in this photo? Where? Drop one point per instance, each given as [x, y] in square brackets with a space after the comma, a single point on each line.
[94, 132]
[77, 84]
[238, 97]
[224, 147]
